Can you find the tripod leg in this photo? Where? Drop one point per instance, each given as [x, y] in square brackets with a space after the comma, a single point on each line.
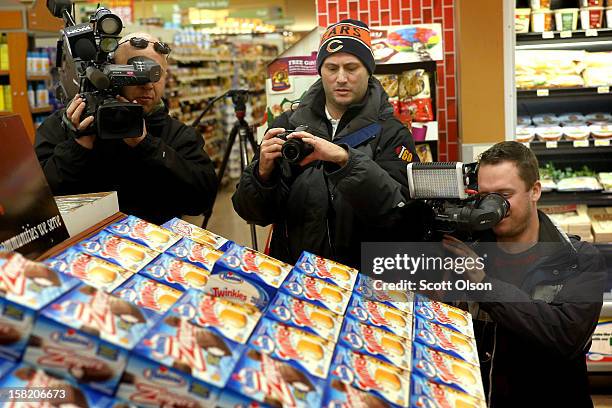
[228, 150]
[244, 161]
[251, 139]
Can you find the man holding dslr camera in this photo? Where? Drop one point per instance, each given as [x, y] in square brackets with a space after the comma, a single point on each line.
[350, 185]
[160, 174]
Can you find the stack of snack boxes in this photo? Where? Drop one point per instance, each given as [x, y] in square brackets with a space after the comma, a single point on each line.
[176, 316]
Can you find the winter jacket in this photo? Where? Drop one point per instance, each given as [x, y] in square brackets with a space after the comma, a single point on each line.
[329, 210]
[166, 175]
[532, 351]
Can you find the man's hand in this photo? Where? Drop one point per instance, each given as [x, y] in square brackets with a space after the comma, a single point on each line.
[460, 249]
[269, 151]
[323, 150]
[133, 141]
[73, 113]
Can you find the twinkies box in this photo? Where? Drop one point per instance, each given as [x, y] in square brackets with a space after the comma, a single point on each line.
[144, 233]
[232, 320]
[444, 315]
[339, 394]
[306, 316]
[203, 256]
[372, 375]
[326, 269]
[197, 234]
[401, 300]
[447, 370]
[237, 288]
[231, 399]
[380, 315]
[146, 384]
[446, 340]
[26, 287]
[195, 352]
[274, 382]
[123, 252]
[87, 335]
[426, 393]
[148, 294]
[176, 273]
[317, 291]
[90, 269]
[309, 352]
[376, 342]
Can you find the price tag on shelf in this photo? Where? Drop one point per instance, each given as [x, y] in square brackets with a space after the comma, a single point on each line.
[526, 144]
[591, 32]
[565, 34]
[542, 92]
[551, 145]
[603, 89]
[602, 142]
[548, 35]
[581, 143]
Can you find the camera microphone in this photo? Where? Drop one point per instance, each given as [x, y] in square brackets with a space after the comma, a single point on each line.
[85, 49]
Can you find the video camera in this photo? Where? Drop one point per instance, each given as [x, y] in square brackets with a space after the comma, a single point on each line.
[83, 59]
[449, 191]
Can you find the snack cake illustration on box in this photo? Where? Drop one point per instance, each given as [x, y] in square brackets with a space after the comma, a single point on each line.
[198, 234]
[447, 370]
[90, 269]
[306, 316]
[120, 251]
[149, 294]
[311, 353]
[446, 340]
[274, 382]
[152, 385]
[317, 291]
[196, 351]
[236, 288]
[145, 233]
[443, 314]
[198, 254]
[372, 375]
[26, 287]
[375, 342]
[339, 394]
[326, 269]
[232, 320]
[47, 391]
[232, 399]
[380, 315]
[402, 300]
[178, 274]
[427, 393]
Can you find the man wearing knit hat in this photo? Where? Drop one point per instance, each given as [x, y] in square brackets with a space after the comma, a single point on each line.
[352, 188]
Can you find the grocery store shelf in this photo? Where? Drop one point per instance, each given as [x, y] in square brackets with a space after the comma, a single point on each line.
[590, 40]
[197, 77]
[195, 58]
[4, 73]
[196, 98]
[570, 147]
[42, 109]
[594, 198]
[39, 77]
[603, 91]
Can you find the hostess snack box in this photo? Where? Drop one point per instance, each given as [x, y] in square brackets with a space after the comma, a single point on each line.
[326, 269]
[317, 291]
[120, 251]
[194, 351]
[401, 300]
[380, 315]
[275, 382]
[234, 287]
[90, 269]
[198, 254]
[43, 389]
[149, 294]
[444, 315]
[377, 343]
[26, 287]
[151, 385]
[197, 234]
[372, 375]
[447, 370]
[145, 233]
[87, 335]
[311, 353]
[231, 399]
[426, 393]
[306, 316]
[232, 320]
[446, 340]
[339, 394]
[178, 274]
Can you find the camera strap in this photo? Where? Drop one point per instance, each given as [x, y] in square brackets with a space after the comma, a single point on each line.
[360, 136]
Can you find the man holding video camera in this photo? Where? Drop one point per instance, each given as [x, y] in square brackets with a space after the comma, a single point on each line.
[534, 327]
[162, 173]
[342, 181]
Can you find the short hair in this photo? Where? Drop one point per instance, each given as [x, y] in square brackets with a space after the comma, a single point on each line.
[517, 153]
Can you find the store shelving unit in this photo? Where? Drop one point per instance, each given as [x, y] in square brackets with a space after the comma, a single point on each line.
[594, 40]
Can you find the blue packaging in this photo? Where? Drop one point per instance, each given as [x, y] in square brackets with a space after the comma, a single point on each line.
[339, 394]
[400, 300]
[144, 233]
[148, 294]
[380, 315]
[178, 274]
[430, 394]
[326, 269]
[317, 291]
[198, 234]
[445, 340]
[201, 255]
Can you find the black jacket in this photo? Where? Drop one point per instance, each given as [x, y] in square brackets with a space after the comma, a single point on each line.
[166, 175]
[532, 349]
[330, 210]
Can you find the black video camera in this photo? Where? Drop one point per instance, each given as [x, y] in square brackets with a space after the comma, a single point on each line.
[83, 59]
[295, 150]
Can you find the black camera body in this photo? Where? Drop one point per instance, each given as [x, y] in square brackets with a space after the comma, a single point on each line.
[295, 150]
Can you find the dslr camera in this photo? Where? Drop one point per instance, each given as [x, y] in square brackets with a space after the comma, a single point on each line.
[295, 150]
[83, 59]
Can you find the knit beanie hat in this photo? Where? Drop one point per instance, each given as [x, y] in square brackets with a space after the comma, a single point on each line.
[352, 36]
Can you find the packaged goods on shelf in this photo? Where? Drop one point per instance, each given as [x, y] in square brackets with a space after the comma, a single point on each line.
[605, 178]
[328, 270]
[573, 219]
[549, 68]
[148, 293]
[602, 227]
[201, 255]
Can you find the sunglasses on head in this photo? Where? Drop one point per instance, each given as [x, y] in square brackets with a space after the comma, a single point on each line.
[142, 43]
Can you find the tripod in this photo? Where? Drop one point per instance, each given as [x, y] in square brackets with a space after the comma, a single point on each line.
[243, 131]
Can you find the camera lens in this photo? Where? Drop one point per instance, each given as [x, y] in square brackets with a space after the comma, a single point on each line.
[109, 24]
[108, 44]
[291, 151]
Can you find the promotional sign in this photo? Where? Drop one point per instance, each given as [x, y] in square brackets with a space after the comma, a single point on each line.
[407, 43]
